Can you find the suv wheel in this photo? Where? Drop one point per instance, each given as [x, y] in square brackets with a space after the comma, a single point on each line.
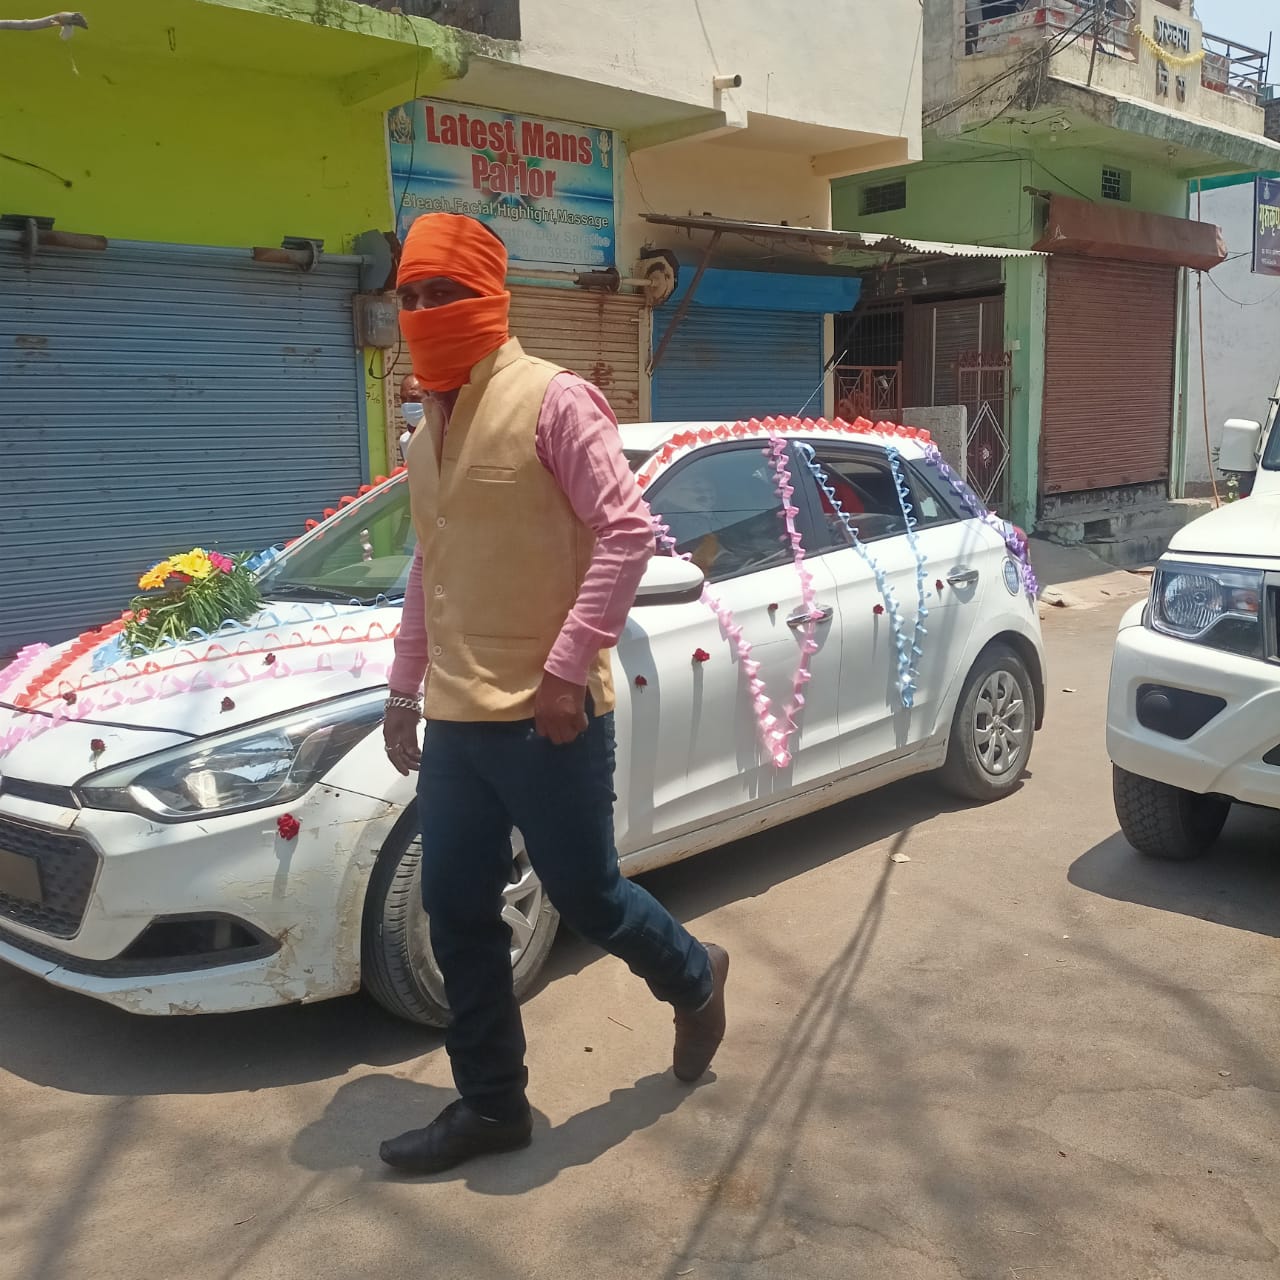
[1167, 822]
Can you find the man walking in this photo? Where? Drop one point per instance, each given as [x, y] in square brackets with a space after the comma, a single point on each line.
[532, 538]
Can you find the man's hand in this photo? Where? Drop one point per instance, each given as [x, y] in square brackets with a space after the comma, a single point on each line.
[400, 735]
[560, 710]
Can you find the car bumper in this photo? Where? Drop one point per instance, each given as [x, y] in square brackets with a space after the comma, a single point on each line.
[299, 902]
[1223, 757]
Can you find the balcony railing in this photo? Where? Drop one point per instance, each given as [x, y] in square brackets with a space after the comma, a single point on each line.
[1003, 26]
[1235, 69]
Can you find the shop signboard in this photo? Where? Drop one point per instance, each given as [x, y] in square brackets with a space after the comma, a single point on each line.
[1266, 227]
[546, 187]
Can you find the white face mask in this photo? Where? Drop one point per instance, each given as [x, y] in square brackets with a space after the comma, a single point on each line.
[413, 414]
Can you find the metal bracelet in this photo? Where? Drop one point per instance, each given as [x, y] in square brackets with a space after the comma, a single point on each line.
[407, 704]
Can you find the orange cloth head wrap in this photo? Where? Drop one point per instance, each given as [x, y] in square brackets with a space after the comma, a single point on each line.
[447, 342]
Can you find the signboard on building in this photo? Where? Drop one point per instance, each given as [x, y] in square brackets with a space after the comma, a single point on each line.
[1266, 227]
[546, 187]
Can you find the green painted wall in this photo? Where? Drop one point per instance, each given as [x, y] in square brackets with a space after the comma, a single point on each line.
[108, 136]
[967, 195]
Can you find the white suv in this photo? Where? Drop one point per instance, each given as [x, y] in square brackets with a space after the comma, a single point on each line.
[1193, 721]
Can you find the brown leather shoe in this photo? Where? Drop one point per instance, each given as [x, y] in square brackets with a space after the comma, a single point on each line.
[699, 1031]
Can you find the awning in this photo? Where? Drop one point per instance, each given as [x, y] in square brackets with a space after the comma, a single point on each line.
[1109, 231]
[855, 248]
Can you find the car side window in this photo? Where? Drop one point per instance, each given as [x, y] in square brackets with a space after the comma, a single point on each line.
[723, 510]
[864, 486]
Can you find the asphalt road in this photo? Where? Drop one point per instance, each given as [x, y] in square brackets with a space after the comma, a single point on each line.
[1024, 1053]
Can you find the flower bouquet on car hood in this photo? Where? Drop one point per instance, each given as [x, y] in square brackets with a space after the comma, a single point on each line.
[200, 590]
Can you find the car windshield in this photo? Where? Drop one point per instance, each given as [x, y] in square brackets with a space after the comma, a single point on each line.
[360, 554]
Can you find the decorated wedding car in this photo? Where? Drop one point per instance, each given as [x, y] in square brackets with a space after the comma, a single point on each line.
[196, 814]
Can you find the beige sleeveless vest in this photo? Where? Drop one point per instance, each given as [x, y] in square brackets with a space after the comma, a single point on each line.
[503, 554]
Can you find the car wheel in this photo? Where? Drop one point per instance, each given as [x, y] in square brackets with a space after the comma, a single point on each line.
[398, 968]
[993, 729]
[1167, 822]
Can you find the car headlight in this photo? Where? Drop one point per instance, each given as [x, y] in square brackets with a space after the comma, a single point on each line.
[1213, 606]
[267, 763]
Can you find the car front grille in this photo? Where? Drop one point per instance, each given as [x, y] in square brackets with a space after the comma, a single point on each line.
[67, 865]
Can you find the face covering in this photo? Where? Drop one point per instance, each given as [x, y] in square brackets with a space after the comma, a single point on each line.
[413, 414]
[448, 342]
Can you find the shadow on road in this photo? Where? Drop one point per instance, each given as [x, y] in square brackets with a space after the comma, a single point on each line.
[379, 1106]
[75, 1044]
[1236, 884]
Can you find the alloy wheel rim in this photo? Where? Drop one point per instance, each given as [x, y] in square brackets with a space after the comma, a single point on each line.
[999, 724]
[522, 901]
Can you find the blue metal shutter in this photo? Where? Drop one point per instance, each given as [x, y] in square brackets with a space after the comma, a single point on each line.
[159, 397]
[730, 364]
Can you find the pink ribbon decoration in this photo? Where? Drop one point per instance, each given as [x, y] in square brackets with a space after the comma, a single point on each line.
[775, 733]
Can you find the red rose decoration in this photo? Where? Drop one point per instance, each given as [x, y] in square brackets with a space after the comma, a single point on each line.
[269, 660]
[701, 655]
[938, 585]
[97, 746]
[228, 704]
[878, 610]
[641, 682]
[773, 608]
[288, 826]
[69, 698]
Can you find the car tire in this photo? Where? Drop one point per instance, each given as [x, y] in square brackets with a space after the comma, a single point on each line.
[1162, 821]
[993, 729]
[397, 967]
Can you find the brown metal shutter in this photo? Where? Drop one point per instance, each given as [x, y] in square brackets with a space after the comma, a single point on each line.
[941, 332]
[595, 335]
[1110, 332]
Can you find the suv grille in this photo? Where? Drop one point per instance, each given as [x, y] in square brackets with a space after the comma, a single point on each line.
[67, 865]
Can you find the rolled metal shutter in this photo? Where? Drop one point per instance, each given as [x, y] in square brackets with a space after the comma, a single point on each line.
[942, 332]
[736, 364]
[1111, 331]
[159, 397]
[595, 335]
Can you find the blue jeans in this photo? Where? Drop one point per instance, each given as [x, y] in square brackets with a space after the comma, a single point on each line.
[478, 781]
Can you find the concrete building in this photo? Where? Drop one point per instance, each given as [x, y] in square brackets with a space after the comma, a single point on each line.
[1241, 330]
[681, 110]
[194, 244]
[1073, 128]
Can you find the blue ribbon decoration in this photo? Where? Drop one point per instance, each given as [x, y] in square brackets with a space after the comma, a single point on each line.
[906, 673]
[913, 542]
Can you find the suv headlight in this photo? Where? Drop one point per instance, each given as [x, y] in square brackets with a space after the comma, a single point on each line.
[270, 762]
[1213, 606]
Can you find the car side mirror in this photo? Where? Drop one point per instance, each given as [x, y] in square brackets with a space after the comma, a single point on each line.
[1238, 450]
[670, 580]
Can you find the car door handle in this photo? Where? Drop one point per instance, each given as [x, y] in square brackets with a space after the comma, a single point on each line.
[820, 613]
[962, 577]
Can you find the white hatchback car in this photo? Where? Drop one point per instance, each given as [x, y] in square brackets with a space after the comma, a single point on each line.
[216, 828]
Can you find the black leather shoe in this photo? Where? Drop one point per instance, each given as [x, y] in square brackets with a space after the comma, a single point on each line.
[455, 1135]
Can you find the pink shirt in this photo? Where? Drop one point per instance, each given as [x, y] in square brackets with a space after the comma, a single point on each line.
[578, 443]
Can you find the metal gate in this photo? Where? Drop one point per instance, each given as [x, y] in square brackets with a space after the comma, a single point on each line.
[158, 397]
[982, 378]
[869, 391]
